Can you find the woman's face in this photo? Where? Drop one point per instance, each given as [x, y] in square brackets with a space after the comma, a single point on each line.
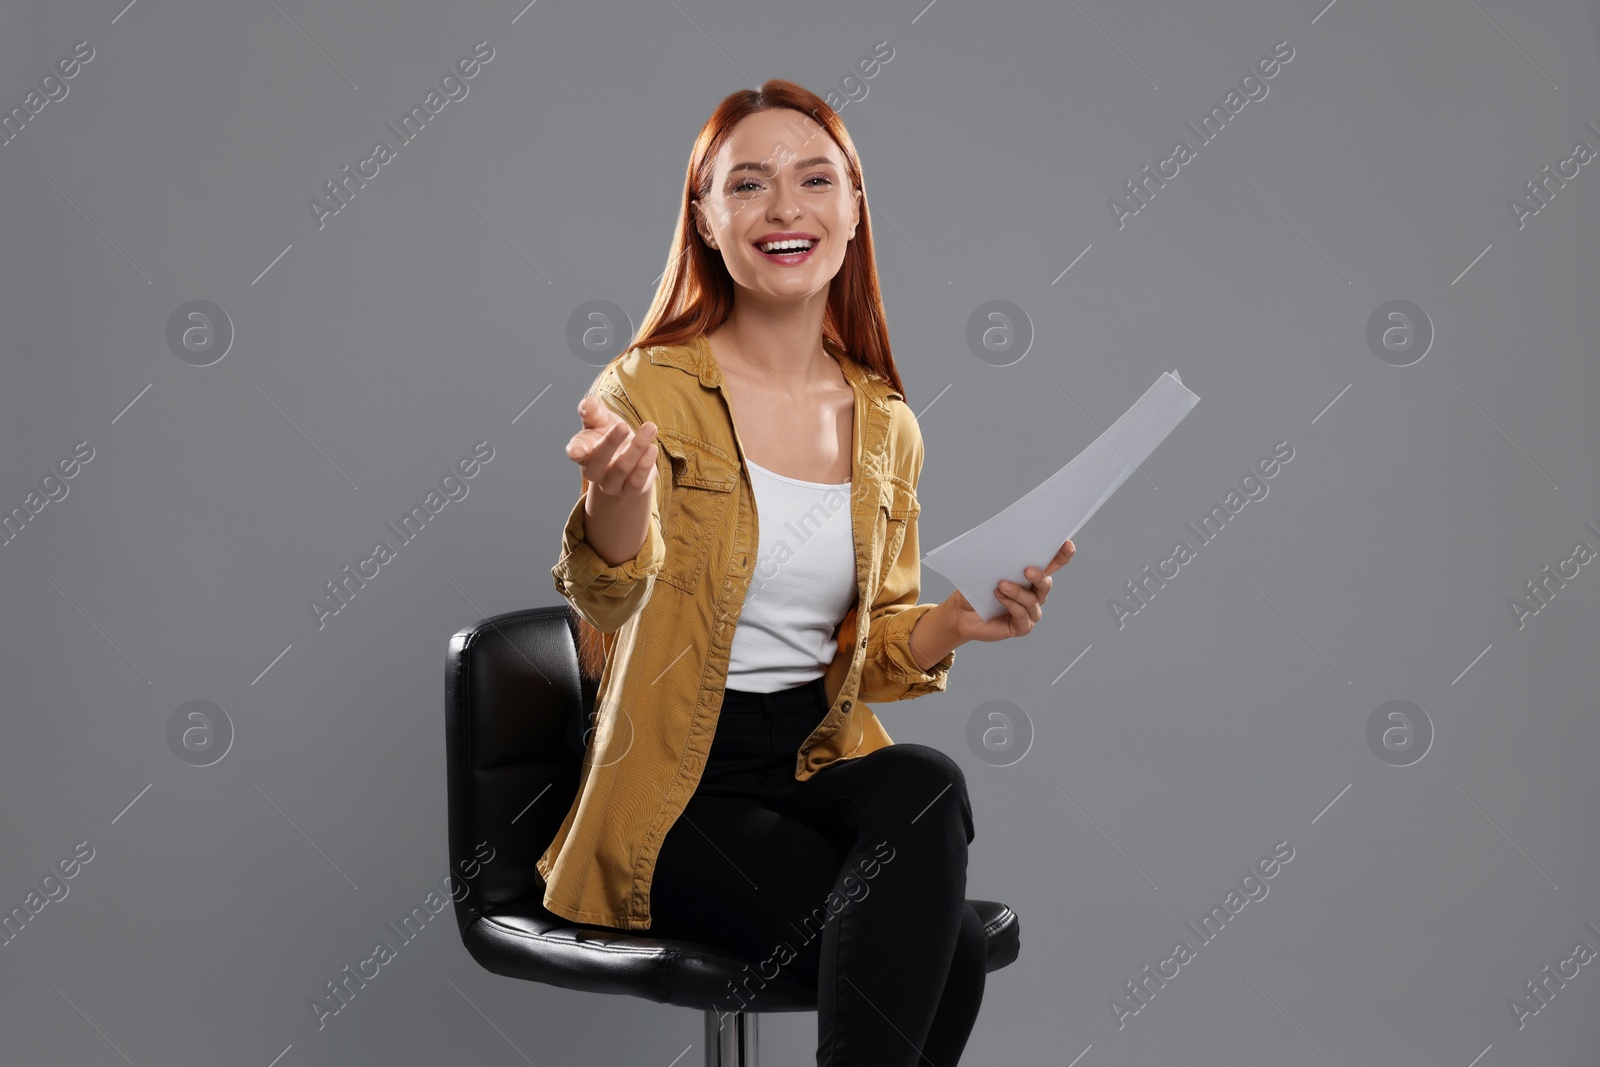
[780, 175]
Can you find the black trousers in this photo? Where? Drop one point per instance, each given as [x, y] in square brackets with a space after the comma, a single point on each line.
[854, 879]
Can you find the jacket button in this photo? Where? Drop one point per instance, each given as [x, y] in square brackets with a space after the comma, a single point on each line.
[845, 706]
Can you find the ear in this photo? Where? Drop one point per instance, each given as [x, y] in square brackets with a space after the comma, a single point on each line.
[701, 226]
[855, 218]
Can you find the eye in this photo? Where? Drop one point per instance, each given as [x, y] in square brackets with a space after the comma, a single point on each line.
[741, 186]
[819, 178]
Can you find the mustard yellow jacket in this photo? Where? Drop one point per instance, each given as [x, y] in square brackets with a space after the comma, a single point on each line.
[674, 607]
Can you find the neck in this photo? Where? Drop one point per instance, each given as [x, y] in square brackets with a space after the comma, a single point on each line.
[781, 343]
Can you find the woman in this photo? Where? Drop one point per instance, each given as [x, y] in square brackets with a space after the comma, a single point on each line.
[744, 562]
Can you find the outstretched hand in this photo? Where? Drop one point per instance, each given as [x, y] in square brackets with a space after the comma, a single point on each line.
[1024, 605]
[617, 460]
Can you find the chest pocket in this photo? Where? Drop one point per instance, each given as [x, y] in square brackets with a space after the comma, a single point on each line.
[898, 507]
[703, 485]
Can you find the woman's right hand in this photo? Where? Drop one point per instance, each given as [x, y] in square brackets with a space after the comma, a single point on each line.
[619, 462]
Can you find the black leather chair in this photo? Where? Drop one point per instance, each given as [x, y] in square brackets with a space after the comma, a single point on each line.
[515, 709]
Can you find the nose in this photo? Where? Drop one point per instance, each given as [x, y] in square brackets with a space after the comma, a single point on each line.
[783, 205]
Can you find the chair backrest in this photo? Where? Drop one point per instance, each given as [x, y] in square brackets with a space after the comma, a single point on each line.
[515, 708]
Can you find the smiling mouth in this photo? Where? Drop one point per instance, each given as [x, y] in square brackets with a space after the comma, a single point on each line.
[783, 249]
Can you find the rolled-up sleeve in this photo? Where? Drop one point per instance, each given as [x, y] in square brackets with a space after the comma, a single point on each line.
[608, 595]
[890, 672]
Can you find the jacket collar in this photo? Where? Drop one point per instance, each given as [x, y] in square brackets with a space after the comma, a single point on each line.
[695, 357]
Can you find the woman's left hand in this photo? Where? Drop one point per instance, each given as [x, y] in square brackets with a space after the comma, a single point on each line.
[1024, 605]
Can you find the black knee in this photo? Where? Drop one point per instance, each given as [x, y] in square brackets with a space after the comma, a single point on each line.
[933, 776]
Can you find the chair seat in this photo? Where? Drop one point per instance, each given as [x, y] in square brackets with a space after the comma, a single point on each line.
[536, 945]
[515, 705]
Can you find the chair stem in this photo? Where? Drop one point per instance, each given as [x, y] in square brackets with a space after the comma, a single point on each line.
[731, 1039]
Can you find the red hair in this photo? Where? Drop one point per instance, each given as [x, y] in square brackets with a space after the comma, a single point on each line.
[696, 291]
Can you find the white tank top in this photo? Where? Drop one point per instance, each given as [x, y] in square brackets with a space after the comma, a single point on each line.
[803, 583]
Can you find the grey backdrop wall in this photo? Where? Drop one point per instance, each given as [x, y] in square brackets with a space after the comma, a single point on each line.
[1380, 262]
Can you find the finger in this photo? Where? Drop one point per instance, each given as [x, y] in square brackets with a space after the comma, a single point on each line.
[596, 415]
[583, 443]
[1062, 557]
[1012, 604]
[1032, 604]
[1025, 597]
[640, 458]
[589, 409]
[1028, 602]
[637, 458]
[638, 444]
[600, 445]
[1026, 609]
[1041, 582]
[603, 459]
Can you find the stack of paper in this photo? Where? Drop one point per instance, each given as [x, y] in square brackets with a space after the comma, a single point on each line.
[1030, 532]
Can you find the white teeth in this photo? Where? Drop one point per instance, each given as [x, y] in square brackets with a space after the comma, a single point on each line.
[793, 245]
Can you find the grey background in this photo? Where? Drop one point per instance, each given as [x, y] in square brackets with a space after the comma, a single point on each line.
[1229, 715]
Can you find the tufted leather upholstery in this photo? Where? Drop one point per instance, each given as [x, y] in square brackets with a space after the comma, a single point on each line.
[515, 707]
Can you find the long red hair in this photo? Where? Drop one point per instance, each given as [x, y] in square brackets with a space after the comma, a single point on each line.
[696, 292]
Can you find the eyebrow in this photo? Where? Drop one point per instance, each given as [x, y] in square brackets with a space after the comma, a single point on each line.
[799, 164]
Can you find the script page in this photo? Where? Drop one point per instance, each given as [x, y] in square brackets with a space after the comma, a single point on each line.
[1030, 532]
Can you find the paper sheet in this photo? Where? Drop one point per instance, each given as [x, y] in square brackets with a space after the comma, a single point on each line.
[1030, 532]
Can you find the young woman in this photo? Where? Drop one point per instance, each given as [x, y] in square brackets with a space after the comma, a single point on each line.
[744, 562]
